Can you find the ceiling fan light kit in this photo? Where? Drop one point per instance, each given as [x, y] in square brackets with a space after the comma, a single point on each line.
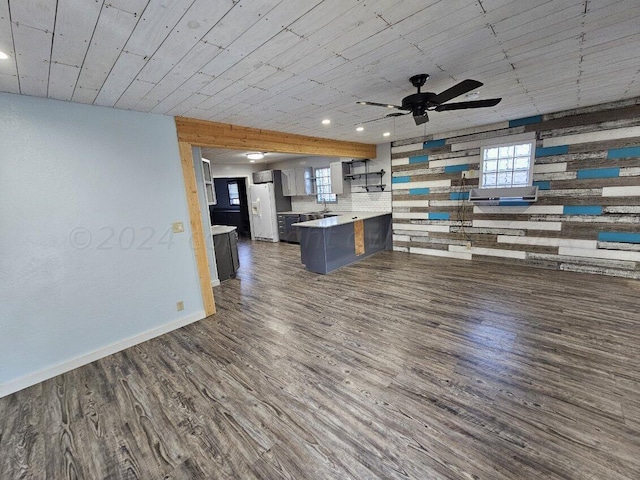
[419, 103]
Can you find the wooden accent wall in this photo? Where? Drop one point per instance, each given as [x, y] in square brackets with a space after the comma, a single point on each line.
[586, 219]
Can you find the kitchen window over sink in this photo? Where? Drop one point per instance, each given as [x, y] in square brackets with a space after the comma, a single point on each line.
[323, 186]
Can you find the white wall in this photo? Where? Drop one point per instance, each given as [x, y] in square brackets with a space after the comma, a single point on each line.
[353, 200]
[78, 185]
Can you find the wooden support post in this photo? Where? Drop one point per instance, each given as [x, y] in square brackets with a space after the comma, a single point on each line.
[195, 219]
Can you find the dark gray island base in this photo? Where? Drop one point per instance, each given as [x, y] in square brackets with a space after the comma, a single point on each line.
[331, 243]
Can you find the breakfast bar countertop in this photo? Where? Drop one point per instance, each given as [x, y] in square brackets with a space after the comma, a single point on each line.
[340, 218]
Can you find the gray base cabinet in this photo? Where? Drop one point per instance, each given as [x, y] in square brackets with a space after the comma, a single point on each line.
[226, 248]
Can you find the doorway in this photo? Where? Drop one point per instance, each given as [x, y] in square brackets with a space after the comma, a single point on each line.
[232, 206]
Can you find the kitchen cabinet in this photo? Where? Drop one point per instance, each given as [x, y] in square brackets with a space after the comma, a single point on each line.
[286, 231]
[298, 182]
[337, 177]
[225, 244]
[208, 182]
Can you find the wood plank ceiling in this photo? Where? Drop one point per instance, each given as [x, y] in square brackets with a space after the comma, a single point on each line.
[287, 64]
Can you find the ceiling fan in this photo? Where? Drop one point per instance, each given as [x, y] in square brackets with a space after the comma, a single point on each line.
[420, 103]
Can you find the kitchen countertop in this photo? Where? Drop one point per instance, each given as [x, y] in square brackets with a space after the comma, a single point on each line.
[220, 229]
[341, 218]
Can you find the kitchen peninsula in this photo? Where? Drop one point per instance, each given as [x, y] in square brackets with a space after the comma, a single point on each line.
[330, 243]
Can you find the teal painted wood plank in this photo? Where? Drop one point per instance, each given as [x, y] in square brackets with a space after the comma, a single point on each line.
[623, 152]
[418, 191]
[459, 195]
[401, 180]
[419, 159]
[438, 216]
[456, 168]
[621, 237]
[435, 143]
[549, 151]
[514, 203]
[598, 173]
[544, 185]
[582, 210]
[525, 121]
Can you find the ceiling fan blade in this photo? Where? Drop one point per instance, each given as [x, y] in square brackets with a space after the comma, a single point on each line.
[385, 105]
[457, 90]
[420, 119]
[490, 102]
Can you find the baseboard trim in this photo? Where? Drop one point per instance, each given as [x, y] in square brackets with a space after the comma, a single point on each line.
[63, 367]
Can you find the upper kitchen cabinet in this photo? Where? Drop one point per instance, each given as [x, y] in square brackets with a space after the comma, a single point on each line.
[337, 177]
[298, 182]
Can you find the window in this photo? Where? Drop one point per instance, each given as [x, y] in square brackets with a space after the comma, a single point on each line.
[234, 195]
[505, 166]
[323, 186]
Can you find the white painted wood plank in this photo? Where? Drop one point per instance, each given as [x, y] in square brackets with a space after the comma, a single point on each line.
[599, 253]
[7, 67]
[420, 228]
[401, 238]
[554, 226]
[400, 249]
[490, 252]
[411, 203]
[9, 83]
[111, 33]
[516, 210]
[633, 191]
[62, 81]
[426, 184]
[440, 253]
[33, 66]
[412, 215]
[520, 137]
[547, 242]
[407, 148]
[550, 167]
[38, 14]
[122, 74]
[618, 133]
[75, 23]
[399, 161]
[136, 91]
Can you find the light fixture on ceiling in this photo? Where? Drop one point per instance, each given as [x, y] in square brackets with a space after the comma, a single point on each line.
[255, 156]
[3, 56]
[326, 121]
[359, 129]
[252, 161]
[386, 134]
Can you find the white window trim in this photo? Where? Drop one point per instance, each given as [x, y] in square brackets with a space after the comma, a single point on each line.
[318, 194]
[531, 141]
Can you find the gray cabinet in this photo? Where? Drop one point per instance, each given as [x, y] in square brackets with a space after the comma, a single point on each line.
[298, 182]
[337, 177]
[286, 231]
[227, 260]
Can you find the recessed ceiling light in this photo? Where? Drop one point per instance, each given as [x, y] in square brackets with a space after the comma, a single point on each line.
[326, 121]
[359, 129]
[3, 56]
[386, 134]
[255, 156]
[252, 161]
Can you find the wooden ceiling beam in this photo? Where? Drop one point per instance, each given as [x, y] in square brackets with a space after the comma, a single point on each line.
[207, 134]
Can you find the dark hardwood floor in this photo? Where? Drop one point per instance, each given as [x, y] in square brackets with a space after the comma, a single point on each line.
[396, 367]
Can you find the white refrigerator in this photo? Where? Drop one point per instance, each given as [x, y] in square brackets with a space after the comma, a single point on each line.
[263, 212]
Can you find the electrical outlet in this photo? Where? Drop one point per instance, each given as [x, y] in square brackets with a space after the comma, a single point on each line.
[178, 227]
[180, 305]
[468, 245]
